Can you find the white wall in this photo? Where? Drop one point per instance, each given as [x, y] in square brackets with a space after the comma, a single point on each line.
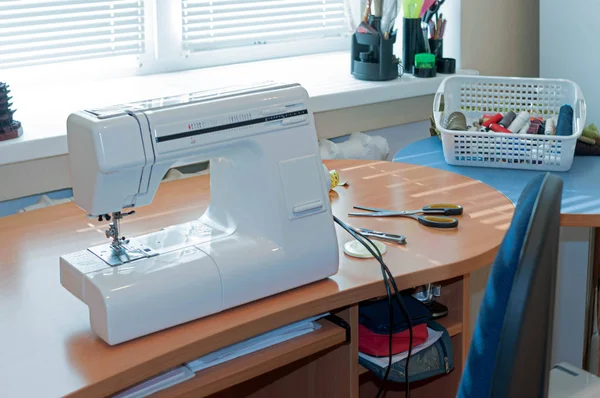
[568, 49]
[502, 37]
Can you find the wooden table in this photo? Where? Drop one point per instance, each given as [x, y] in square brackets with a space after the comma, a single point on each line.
[579, 252]
[48, 349]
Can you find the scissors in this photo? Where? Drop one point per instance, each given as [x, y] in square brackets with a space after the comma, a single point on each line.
[432, 215]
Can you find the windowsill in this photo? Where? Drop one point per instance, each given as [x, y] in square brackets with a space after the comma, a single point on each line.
[43, 111]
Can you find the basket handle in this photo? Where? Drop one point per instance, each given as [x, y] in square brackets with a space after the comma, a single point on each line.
[581, 114]
[437, 101]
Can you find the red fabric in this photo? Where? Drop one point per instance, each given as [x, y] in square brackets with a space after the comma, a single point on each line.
[377, 345]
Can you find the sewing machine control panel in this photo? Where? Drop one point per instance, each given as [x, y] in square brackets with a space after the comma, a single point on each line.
[210, 130]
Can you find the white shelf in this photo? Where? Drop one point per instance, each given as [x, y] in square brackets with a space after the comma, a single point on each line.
[43, 110]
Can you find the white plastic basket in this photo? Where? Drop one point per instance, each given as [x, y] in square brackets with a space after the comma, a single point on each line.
[475, 96]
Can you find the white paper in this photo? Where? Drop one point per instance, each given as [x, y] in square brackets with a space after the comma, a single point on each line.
[255, 343]
[383, 362]
[158, 383]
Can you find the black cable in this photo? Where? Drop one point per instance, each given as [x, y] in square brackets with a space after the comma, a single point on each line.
[398, 299]
[361, 238]
[387, 279]
[385, 270]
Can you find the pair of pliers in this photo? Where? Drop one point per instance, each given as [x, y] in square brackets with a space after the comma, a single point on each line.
[385, 236]
[432, 215]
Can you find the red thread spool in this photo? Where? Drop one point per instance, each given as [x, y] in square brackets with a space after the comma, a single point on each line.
[496, 128]
[489, 119]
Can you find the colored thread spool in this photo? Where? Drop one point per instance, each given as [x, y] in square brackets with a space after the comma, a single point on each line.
[507, 119]
[525, 128]
[496, 128]
[535, 126]
[491, 119]
[549, 129]
[519, 122]
[457, 121]
[564, 126]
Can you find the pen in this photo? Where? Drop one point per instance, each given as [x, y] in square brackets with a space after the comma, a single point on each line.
[443, 29]
[367, 11]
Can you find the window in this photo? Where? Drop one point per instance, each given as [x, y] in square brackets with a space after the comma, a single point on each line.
[85, 39]
[151, 36]
[216, 24]
[43, 32]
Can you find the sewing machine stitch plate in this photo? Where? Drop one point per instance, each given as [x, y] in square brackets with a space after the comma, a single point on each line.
[166, 240]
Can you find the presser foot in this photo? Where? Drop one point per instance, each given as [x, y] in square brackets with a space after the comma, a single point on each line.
[122, 253]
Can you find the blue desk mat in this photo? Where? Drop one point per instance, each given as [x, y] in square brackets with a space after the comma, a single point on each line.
[581, 194]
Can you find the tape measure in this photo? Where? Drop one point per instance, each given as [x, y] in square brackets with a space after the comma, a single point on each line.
[335, 178]
[356, 249]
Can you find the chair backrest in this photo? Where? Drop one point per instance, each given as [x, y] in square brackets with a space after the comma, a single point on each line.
[510, 352]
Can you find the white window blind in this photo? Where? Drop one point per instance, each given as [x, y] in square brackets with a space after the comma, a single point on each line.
[215, 24]
[38, 32]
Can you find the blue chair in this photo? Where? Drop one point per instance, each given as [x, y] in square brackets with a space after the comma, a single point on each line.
[510, 352]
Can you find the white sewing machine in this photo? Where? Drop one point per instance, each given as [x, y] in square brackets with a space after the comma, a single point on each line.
[268, 227]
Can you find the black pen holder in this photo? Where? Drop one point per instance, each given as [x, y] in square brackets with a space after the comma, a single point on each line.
[413, 42]
[436, 47]
[373, 56]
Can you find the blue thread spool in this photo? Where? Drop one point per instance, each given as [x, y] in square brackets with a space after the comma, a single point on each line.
[565, 121]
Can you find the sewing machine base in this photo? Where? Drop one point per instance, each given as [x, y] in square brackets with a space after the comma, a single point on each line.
[198, 271]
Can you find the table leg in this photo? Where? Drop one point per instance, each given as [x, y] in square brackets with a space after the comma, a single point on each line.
[573, 296]
[466, 316]
[590, 353]
[594, 360]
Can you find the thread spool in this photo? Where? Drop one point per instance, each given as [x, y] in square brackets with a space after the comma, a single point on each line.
[507, 119]
[525, 128]
[457, 121]
[535, 126]
[491, 119]
[497, 128]
[519, 122]
[549, 129]
[564, 126]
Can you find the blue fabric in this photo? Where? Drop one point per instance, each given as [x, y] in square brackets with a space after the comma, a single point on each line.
[477, 377]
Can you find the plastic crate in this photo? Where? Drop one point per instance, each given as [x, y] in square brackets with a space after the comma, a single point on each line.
[475, 96]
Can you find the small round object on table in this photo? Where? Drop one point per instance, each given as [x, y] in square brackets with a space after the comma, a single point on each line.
[356, 249]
